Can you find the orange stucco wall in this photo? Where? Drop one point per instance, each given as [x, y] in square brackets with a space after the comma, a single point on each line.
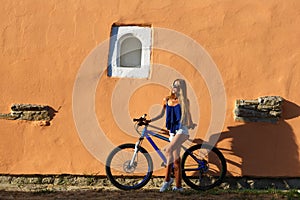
[255, 45]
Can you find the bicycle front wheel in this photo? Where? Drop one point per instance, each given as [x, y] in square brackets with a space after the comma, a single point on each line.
[126, 173]
[203, 167]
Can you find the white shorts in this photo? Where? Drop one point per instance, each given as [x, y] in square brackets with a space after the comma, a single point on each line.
[183, 130]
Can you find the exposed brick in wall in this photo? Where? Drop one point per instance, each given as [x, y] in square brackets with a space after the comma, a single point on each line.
[263, 109]
[30, 112]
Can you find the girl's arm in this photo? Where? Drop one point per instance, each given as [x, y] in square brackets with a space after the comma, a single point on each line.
[162, 113]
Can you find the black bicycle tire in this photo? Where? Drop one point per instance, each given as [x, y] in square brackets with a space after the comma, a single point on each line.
[112, 178]
[223, 168]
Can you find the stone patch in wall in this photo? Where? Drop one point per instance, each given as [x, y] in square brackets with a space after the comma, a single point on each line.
[262, 109]
[30, 112]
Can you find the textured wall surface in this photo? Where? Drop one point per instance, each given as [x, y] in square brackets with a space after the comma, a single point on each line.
[255, 45]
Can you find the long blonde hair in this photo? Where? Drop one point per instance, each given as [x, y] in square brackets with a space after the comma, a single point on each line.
[186, 118]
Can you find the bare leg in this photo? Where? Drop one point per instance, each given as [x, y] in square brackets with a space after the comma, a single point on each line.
[170, 161]
[173, 156]
[168, 173]
[177, 168]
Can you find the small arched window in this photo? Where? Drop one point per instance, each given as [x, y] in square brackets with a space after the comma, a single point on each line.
[130, 52]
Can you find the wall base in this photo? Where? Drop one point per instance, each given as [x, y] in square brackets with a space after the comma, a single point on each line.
[30, 182]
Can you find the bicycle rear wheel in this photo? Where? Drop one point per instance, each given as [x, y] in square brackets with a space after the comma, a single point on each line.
[203, 167]
[124, 176]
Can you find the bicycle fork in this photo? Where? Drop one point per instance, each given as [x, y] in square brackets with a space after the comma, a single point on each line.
[136, 149]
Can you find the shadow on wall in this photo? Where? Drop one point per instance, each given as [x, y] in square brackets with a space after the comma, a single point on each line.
[52, 112]
[265, 149]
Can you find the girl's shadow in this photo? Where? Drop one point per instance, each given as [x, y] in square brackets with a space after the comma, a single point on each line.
[262, 149]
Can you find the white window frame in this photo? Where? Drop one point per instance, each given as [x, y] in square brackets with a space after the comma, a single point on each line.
[118, 35]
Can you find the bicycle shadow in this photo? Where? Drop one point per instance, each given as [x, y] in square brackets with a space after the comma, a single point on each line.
[262, 149]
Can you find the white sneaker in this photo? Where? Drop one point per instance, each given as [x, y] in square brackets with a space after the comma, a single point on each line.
[166, 185]
[176, 189]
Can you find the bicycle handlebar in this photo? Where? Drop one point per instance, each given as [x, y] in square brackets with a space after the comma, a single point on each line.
[142, 120]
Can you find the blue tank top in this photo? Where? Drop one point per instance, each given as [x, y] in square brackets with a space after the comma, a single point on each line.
[173, 116]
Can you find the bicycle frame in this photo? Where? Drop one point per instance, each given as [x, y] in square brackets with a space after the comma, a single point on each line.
[146, 134]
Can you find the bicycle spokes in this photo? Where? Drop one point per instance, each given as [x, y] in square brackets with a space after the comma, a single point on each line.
[128, 169]
[203, 170]
[123, 164]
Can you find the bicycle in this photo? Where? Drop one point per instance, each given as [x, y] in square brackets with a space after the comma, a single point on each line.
[130, 166]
